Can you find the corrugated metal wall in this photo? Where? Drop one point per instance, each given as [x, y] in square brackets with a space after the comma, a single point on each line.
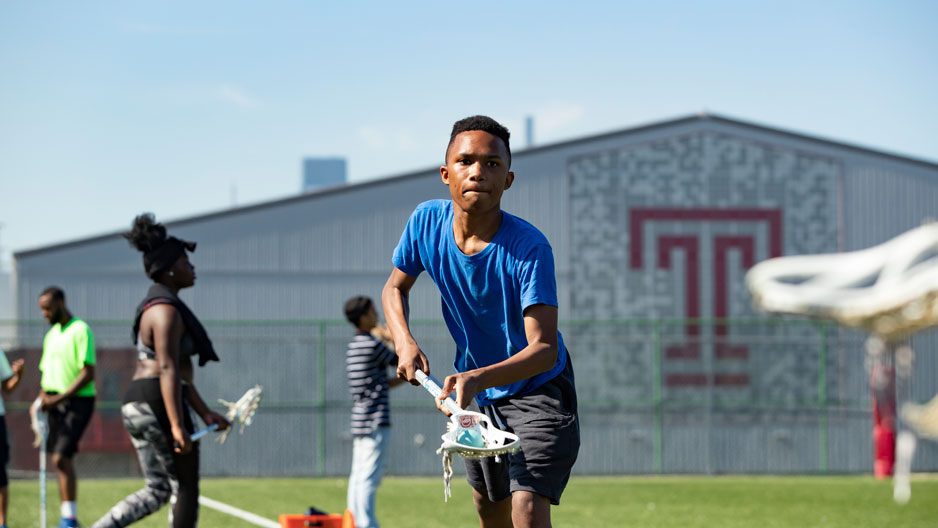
[882, 199]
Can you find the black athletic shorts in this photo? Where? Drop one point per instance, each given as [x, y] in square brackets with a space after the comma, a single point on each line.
[4, 452]
[546, 422]
[67, 422]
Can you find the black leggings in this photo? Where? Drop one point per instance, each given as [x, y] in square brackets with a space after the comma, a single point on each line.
[170, 477]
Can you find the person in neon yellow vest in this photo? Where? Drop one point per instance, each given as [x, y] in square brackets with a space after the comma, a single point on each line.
[67, 393]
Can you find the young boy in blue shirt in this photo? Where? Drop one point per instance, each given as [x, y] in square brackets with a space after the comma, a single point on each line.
[495, 273]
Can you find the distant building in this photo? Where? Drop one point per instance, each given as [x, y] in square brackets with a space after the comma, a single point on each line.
[6, 309]
[323, 172]
[6, 295]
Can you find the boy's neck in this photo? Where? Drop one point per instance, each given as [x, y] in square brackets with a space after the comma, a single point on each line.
[473, 232]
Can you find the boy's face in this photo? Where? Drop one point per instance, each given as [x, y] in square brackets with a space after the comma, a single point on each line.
[369, 320]
[476, 171]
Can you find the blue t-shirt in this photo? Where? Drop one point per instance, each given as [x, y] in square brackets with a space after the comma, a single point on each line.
[484, 295]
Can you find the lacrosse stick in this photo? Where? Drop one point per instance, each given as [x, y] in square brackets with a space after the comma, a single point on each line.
[890, 290]
[469, 434]
[241, 411]
[39, 422]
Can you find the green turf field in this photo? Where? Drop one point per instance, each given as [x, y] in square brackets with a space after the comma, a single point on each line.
[849, 501]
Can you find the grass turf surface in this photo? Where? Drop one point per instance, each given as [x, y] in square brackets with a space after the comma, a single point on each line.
[403, 502]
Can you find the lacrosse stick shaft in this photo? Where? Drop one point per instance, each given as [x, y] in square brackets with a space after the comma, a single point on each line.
[433, 387]
[42, 482]
[202, 432]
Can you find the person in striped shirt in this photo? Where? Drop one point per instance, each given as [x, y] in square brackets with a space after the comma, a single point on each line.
[367, 361]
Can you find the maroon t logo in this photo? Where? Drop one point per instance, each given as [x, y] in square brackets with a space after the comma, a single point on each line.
[667, 244]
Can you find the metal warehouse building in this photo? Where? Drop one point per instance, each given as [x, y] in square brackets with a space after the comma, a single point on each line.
[652, 229]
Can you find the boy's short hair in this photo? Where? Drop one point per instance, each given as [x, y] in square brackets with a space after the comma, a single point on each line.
[483, 123]
[356, 307]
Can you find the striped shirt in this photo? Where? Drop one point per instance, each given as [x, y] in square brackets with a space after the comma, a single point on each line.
[366, 362]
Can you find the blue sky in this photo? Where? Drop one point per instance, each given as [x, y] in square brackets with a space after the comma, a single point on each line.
[108, 109]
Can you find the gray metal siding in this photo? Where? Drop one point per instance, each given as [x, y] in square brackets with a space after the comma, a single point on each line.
[883, 199]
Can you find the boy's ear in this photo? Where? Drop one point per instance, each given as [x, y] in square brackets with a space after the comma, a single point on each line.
[509, 178]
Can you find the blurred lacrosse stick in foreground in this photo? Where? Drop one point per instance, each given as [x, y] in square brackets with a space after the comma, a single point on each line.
[890, 290]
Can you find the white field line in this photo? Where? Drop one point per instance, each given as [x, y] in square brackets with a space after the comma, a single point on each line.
[237, 512]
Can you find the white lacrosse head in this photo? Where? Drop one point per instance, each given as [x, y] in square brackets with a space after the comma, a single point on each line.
[38, 421]
[890, 290]
[921, 418]
[497, 442]
[242, 411]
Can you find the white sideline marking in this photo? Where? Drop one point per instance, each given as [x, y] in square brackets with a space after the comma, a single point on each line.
[236, 512]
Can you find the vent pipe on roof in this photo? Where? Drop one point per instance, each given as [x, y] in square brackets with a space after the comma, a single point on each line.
[323, 172]
[529, 131]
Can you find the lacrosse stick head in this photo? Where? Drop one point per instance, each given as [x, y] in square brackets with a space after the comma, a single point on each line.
[891, 290]
[242, 411]
[494, 441]
[38, 421]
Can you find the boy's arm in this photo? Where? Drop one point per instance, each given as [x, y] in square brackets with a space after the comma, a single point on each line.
[540, 327]
[387, 357]
[394, 300]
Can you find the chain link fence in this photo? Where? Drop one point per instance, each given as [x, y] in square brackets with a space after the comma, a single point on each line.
[655, 396]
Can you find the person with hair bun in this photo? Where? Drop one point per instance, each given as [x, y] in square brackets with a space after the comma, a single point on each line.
[156, 406]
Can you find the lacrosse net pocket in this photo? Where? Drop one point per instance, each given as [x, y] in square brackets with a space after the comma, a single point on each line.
[496, 442]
